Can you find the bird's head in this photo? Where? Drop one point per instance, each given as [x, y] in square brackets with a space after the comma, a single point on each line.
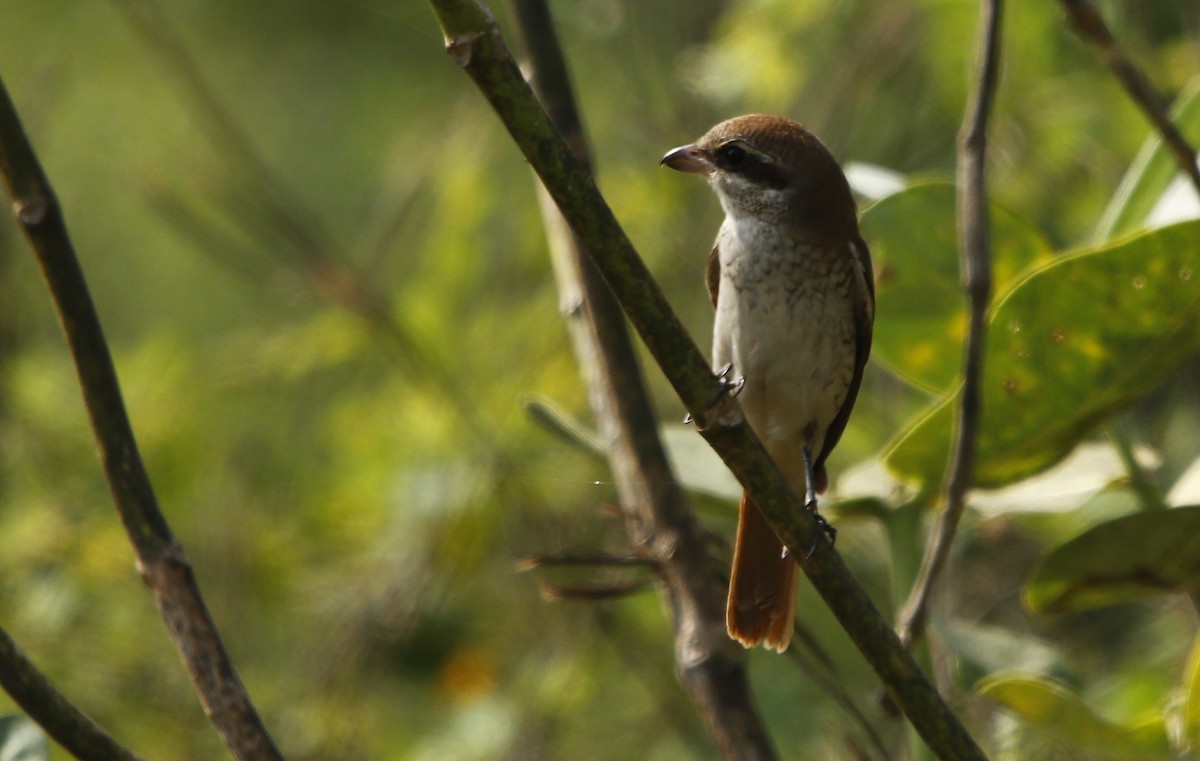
[773, 169]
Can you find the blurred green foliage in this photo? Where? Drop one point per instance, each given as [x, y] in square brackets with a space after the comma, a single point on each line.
[327, 322]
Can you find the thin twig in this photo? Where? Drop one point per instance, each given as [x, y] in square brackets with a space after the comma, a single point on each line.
[591, 592]
[162, 563]
[584, 560]
[975, 258]
[41, 701]
[475, 44]
[658, 518]
[1087, 22]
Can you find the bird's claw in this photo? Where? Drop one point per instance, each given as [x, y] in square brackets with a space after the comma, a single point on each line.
[731, 387]
[822, 529]
[728, 387]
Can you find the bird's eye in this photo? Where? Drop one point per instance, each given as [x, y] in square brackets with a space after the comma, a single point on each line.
[732, 156]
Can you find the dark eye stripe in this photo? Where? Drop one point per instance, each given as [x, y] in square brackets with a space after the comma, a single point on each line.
[732, 157]
[763, 173]
[735, 159]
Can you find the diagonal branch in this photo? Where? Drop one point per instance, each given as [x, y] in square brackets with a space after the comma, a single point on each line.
[975, 253]
[474, 43]
[1085, 18]
[42, 702]
[658, 518]
[162, 563]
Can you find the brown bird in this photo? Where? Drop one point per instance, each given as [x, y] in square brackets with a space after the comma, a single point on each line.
[790, 278]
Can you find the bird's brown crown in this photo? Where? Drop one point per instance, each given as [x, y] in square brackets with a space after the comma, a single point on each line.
[776, 139]
[767, 164]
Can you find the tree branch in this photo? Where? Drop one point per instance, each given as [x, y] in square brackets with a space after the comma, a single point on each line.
[42, 702]
[1087, 22]
[162, 563]
[474, 43]
[975, 257]
[658, 518]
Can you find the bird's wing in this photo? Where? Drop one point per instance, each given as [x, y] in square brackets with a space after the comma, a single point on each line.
[864, 321]
[712, 274]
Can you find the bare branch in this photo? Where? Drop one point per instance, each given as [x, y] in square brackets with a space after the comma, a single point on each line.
[474, 43]
[1087, 22]
[163, 565]
[42, 702]
[975, 254]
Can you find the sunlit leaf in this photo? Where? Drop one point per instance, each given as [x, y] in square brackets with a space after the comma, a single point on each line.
[1178, 203]
[22, 740]
[920, 324]
[1071, 343]
[1055, 710]
[697, 466]
[1129, 558]
[1191, 706]
[1186, 489]
[872, 181]
[1088, 471]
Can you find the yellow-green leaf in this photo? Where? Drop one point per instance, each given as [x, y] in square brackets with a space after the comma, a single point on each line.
[1071, 342]
[1052, 708]
[1191, 707]
[920, 325]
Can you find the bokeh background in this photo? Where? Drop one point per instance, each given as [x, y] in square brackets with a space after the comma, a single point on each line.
[321, 266]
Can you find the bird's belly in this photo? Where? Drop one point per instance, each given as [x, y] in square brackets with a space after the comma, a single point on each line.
[795, 348]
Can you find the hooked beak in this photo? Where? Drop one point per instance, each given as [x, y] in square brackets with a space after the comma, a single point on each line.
[688, 158]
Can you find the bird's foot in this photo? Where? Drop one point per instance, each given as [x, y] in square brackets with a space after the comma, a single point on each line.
[730, 387]
[822, 529]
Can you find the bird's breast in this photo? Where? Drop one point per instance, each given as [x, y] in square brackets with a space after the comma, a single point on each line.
[785, 321]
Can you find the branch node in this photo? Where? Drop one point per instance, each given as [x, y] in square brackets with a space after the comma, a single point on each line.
[32, 213]
[151, 567]
[461, 47]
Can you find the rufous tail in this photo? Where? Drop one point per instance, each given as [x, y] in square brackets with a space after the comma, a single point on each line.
[762, 585]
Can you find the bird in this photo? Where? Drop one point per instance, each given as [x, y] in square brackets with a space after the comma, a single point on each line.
[793, 291]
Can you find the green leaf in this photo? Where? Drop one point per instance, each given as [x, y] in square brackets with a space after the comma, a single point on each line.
[1129, 558]
[920, 323]
[1191, 706]
[1089, 471]
[1052, 708]
[22, 740]
[1151, 172]
[1071, 343]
